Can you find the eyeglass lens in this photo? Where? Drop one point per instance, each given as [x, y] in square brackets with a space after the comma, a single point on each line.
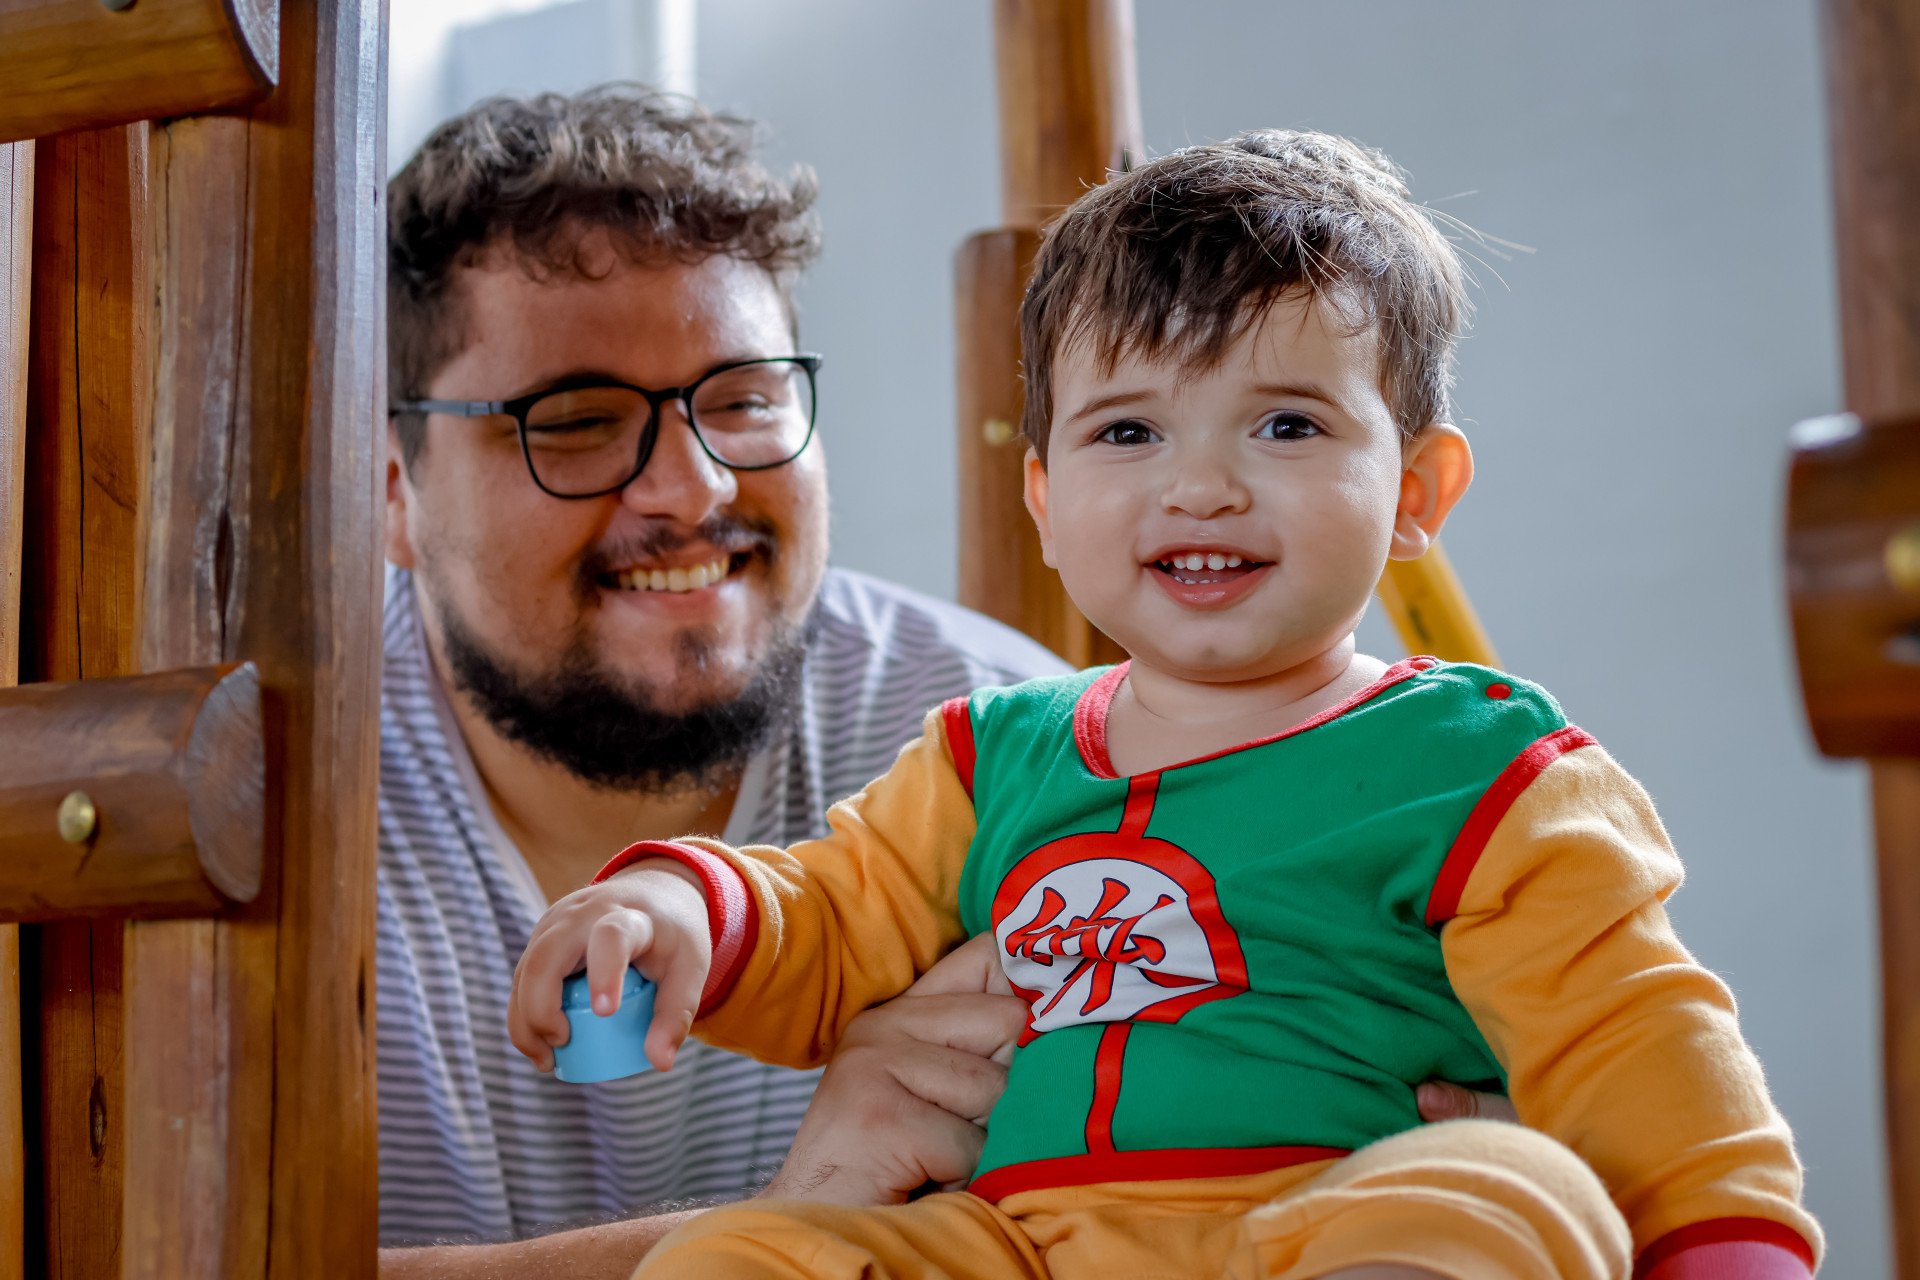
[587, 440]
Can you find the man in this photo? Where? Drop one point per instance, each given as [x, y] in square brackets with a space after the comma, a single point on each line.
[611, 619]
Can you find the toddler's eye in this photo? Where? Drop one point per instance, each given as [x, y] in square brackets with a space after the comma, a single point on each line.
[1288, 426]
[1127, 433]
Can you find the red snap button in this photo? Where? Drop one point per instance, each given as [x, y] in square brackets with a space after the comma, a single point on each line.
[1499, 691]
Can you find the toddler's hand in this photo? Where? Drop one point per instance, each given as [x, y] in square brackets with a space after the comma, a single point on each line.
[653, 915]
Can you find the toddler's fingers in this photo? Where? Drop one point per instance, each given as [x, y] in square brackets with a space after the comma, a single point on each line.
[616, 940]
[524, 1037]
[676, 999]
[545, 964]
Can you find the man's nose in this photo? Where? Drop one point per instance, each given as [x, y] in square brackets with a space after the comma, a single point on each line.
[680, 480]
[1205, 482]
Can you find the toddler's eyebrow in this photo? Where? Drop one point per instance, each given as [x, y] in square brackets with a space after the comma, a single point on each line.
[1297, 391]
[1117, 400]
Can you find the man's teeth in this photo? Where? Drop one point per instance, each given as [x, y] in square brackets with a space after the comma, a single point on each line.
[1194, 561]
[694, 579]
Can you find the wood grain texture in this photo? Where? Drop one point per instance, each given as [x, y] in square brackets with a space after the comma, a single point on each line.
[16, 249]
[76, 64]
[89, 413]
[1069, 115]
[1853, 489]
[1069, 101]
[264, 548]
[174, 767]
[1873, 86]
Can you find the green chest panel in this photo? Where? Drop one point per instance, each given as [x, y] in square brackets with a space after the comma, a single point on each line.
[1234, 952]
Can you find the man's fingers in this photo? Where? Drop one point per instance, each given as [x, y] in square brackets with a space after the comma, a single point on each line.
[948, 1147]
[972, 967]
[1443, 1100]
[965, 1084]
[973, 1023]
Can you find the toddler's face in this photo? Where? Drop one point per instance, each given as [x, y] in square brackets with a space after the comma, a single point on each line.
[1228, 524]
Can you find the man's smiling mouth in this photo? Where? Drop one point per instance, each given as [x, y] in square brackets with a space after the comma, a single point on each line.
[676, 578]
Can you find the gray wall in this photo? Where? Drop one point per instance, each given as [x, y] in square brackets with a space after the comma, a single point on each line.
[1628, 387]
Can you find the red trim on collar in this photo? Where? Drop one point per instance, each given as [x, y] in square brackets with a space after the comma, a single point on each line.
[1143, 1166]
[1444, 901]
[1091, 711]
[1090, 721]
[959, 725]
[1701, 1248]
[733, 917]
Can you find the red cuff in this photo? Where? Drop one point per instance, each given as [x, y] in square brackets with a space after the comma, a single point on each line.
[1728, 1249]
[733, 921]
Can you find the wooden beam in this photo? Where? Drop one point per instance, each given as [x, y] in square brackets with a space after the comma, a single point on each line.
[1069, 102]
[16, 248]
[1069, 115]
[89, 412]
[1873, 87]
[133, 797]
[87, 64]
[264, 548]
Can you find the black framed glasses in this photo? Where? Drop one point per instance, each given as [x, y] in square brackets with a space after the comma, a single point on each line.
[593, 439]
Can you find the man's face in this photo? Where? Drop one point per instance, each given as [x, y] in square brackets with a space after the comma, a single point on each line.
[1280, 469]
[547, 588]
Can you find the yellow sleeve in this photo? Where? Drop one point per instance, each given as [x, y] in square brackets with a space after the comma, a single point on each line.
[848, 921]
[1615, 1040]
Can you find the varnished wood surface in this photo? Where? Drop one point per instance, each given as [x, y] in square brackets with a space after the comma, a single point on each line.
[1069, 116]
[1873, 92]
[78, 64]
[16, 248]
[1069, 101]
[1853, 490]
[173, 768]
[89, 412]
[264, 548]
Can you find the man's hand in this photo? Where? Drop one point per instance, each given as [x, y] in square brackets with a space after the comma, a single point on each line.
[904, 1100]
[653, 915]
[1440, 1100]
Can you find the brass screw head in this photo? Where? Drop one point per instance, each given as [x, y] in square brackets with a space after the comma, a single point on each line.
[1903, 560]
[998, 432]
[79, 820]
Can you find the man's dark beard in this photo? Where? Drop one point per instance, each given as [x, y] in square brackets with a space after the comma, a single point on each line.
[614, 736]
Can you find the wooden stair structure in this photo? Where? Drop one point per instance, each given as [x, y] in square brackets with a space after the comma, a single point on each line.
[191, 399]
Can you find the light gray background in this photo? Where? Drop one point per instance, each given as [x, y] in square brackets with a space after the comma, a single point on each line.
[1627, 389]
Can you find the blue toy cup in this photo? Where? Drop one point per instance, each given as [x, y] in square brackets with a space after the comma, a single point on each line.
[604, 1048]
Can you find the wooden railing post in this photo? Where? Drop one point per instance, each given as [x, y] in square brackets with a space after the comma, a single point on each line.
[16, 246]
[1873, 87]
[207, 398]
[1069, 115]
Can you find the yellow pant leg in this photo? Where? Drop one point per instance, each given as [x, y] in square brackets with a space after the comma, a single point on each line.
[1470, 1199]
[939, 1237]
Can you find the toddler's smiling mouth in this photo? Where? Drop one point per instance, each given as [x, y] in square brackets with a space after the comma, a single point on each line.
[1195, 567]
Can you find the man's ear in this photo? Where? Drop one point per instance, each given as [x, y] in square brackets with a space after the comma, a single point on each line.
[399, 546]
[1036, 490]
[1437, 467]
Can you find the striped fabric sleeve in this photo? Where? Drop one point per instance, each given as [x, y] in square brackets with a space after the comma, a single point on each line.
[848, 921]
[1615, 1040]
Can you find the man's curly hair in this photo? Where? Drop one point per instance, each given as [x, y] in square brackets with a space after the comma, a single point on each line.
[669, 180]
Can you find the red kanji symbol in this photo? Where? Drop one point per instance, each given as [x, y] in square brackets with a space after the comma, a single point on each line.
[1040, 940]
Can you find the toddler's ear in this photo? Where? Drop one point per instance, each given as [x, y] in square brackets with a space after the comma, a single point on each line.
[1437, 468]
[1036, 489]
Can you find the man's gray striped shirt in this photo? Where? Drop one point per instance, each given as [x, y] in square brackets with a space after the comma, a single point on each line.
[476, 1144]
